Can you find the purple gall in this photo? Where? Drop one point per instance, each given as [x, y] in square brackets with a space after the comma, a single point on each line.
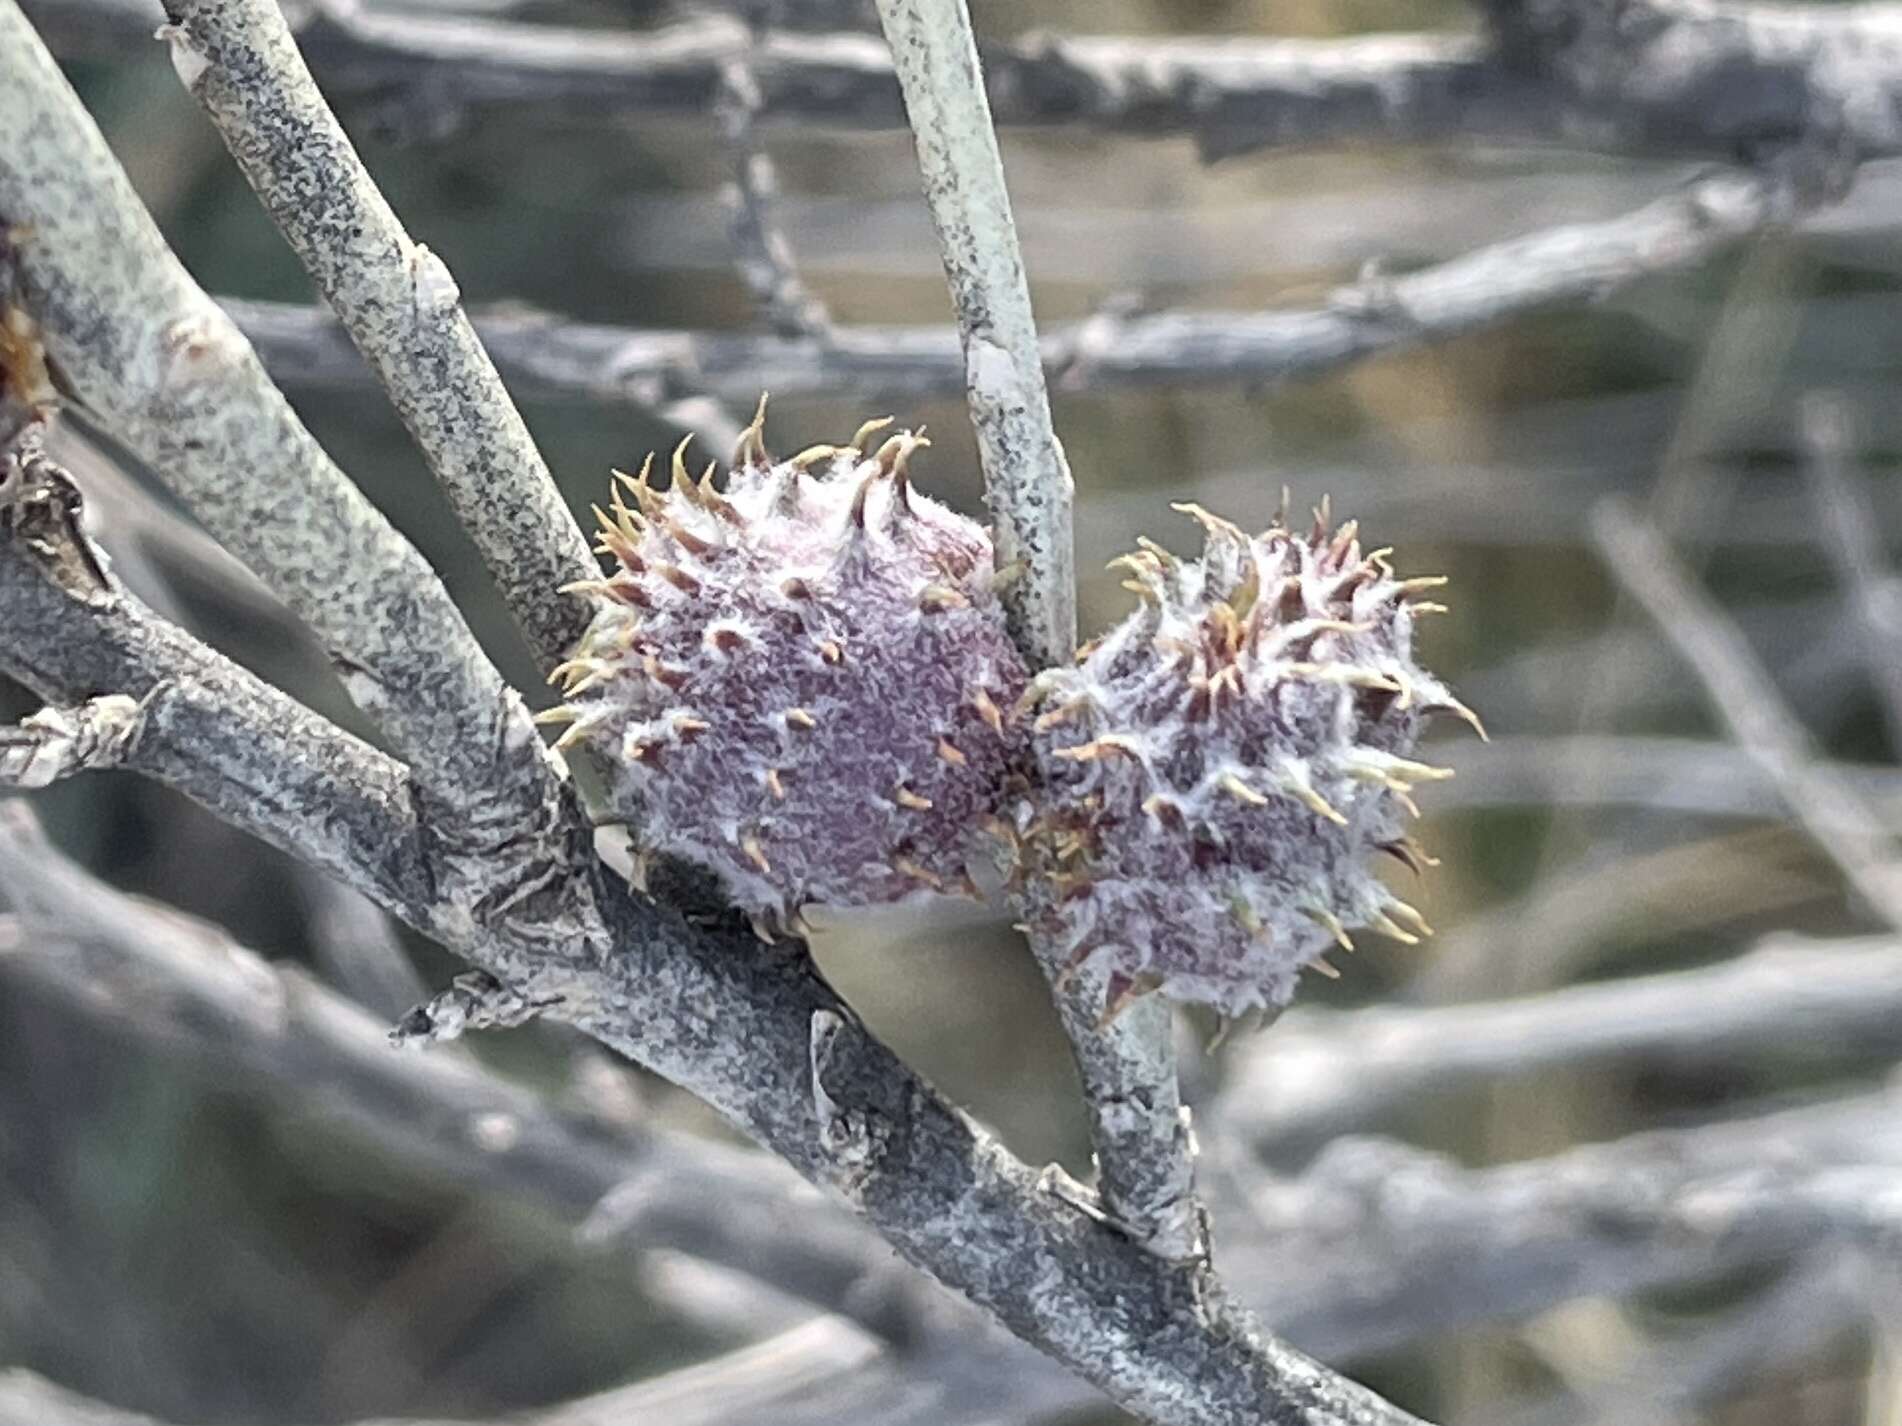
[799, 682]
[1214, 772]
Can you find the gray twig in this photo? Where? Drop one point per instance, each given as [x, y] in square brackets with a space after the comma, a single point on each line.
[1852, 537]
[1581, 262]
[1737, 78]
[1813, 1304]
[1745, 697]
[397, 300]
[1648, 893]
[1700, 776]
[141, 529]
[1143, 1146]
[1026, 479]
[742, 1386]
[822, 1372]
[187, 986]
[1326, 1073]
[1377, 1242]
[430, 74]
[760, 250]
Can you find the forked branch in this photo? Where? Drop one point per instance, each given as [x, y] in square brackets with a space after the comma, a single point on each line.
[761, 1038]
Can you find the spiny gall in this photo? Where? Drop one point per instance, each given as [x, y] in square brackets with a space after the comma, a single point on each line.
[800, 683]
[1214, 771]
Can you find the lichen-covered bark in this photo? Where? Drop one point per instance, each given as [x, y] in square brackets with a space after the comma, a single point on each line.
[162, 367]
[396, 298]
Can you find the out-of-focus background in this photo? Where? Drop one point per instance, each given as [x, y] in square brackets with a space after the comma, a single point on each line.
[208, 1246]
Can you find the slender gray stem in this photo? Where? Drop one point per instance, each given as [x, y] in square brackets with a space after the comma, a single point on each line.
[1700, 776]
[1852, 537]
[734, 1388]
[1380, 314]
[1729, 77]
[140, 527]
[397, 300]
[1145, 1170]
[1745, 697]
[1376, 1238]
[1026, 479]
[187, 987]
[822, 1372]
[1327, 1073]
[430, 74]
[165, 370]
[760, 250]
[1714, 79]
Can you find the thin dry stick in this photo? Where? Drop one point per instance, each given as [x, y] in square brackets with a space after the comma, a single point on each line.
[1327, 1073]
[1377, 1238]
[1563, 921]
[396, 299]
[1644, 82]
[1852, 536]
[1128, 1067]
[548, 357]
[58, 742]
[430, 74]
[822, 1372]
[760, 250]
[185, 986]
[1703, 776]
[1744, 695]
[1026, 479]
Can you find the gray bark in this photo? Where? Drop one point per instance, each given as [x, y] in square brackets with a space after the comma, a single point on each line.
[162, 367]
[1377, 1240]
[58, 742]
[398, 302]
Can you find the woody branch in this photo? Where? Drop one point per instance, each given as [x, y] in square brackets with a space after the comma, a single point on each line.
[1127, 1057]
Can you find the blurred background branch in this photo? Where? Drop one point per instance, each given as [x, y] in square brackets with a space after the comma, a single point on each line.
[1377, 315]
[1714, 78]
